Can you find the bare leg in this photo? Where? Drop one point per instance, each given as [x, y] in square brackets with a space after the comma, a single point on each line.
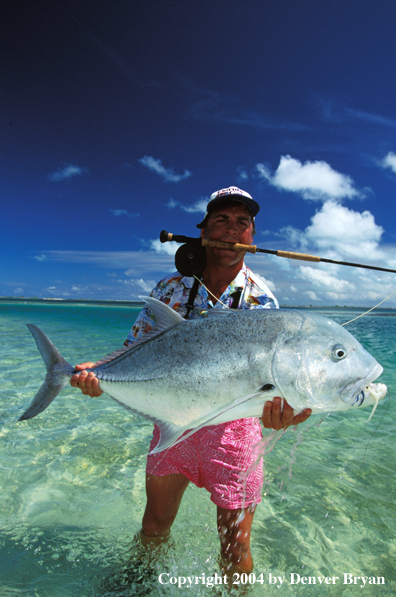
[164, 495]
[234, 532]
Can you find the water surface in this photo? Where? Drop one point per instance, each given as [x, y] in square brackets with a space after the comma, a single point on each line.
[73, 492]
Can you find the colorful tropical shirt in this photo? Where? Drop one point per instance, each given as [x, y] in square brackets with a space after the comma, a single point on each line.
[174, 290]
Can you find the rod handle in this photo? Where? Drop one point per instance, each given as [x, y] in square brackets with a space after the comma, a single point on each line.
[219, 244]
[301, 256]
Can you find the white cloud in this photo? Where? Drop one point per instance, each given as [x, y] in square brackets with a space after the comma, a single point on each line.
[325, 278]
[123, 212]
[40, 257]
[142, 263]
[311, 295]
[389, 161]
[269, 283]
[345, 231]
[316, 181]
[146, 285]
[294, 236]
[242, 174]
[66, 173]
[169, 248]
[198, 207]
[167, 174]
[337, 233]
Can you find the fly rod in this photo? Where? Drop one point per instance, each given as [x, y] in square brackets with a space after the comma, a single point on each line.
[168, 236]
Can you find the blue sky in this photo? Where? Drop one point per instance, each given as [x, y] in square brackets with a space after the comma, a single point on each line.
[120, 118]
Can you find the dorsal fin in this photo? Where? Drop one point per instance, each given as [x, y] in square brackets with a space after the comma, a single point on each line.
[165, 319]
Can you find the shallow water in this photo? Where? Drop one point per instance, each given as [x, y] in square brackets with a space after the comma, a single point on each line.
[73, 481]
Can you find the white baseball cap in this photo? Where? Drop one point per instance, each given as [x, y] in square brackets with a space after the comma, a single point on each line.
[236, 195]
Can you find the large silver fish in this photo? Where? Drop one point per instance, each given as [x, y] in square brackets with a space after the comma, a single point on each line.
[185, 375]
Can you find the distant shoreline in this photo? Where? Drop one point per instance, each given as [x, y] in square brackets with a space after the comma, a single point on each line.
[124, 303]
[59, 301]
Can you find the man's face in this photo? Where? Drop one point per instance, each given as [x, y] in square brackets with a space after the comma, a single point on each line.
[231, 224]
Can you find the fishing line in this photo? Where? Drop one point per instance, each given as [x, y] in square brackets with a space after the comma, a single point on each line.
[367, 445]
[211, 293]
[372, 309]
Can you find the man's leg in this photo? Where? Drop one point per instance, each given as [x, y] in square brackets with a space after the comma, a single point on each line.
[234, 532]
[164, 495]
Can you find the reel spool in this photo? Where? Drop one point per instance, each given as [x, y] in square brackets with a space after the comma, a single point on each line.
[190, 258]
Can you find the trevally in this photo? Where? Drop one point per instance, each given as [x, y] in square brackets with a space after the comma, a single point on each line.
[185, 375]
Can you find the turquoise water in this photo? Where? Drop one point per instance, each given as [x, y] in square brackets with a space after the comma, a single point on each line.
[72, 480]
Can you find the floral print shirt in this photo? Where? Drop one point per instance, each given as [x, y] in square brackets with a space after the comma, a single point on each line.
[174, 290]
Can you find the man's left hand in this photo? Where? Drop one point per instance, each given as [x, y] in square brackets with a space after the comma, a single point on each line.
[276, 418]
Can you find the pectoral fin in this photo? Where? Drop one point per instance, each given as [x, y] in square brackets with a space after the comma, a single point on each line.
[243, 408]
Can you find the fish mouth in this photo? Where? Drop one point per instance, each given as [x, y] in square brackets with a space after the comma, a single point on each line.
[354, 394]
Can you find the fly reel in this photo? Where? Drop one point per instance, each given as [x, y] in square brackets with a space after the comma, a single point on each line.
[190, 258]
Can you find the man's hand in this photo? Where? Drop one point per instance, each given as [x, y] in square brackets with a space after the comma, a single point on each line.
[274, 418]
[87, 382]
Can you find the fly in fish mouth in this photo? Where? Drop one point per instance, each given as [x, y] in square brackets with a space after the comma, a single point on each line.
[354, 392]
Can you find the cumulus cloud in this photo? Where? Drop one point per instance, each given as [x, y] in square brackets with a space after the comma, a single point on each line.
[164, 248]
[345, 231]
[198, 207]
[325, 278]
[269, 283]
[389, 161]
[337, 233]
[123, 212]
[145, 285]
[167, 174]
[316, 181]
[66, 173]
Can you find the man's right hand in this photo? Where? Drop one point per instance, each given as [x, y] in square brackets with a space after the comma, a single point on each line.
[87, 382]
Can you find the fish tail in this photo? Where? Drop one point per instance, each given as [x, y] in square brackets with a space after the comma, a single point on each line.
[58, 374]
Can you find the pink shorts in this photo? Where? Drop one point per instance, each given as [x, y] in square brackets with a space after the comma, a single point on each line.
[220, 458]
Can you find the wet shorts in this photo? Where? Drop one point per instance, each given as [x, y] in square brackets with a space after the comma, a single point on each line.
[220, 458]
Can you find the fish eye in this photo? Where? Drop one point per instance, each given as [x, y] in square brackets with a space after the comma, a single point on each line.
[338, 353]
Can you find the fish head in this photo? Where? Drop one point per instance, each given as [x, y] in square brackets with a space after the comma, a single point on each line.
[326, 369]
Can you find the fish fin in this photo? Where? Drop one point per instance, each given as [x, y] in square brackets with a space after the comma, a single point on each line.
[116, 353]
[165, 319]
[243, 408]
[169, 436]
[58, 373]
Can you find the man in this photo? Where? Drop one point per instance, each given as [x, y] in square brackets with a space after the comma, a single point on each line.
[213, 457]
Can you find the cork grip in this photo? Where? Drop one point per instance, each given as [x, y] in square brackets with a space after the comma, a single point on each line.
[218, 244]
[301, 256]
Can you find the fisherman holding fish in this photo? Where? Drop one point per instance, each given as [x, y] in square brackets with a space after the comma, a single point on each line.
[214, 457]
